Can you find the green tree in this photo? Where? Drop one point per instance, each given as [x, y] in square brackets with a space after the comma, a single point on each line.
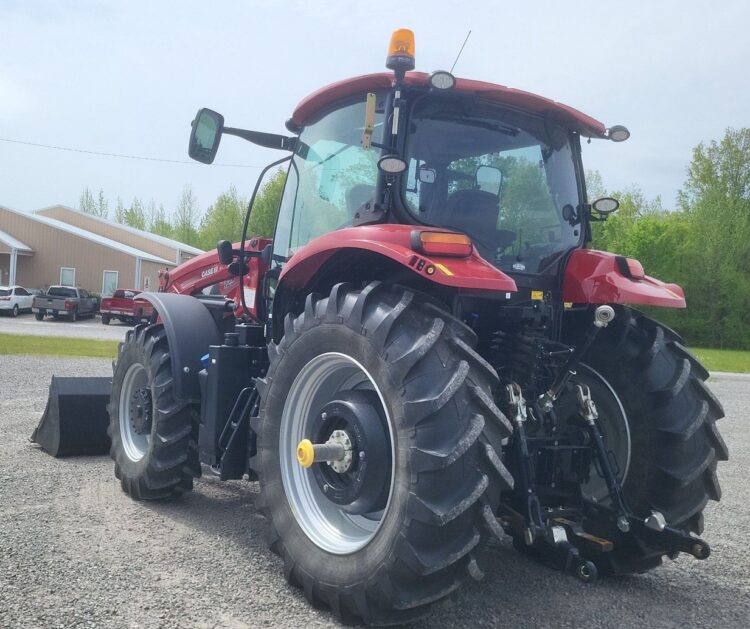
[186, 218]
[86, 202]
[223, 220]
[716, 198]
[102, 207]
[134, 215]
[120, 211]
[266, 206]
[158, 221]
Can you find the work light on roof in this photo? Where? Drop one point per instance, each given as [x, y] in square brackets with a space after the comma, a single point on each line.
[441, 80]
[618, 133]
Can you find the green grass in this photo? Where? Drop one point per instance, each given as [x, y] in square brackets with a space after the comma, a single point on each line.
[723, 359]
[55, 346]
[713, 359]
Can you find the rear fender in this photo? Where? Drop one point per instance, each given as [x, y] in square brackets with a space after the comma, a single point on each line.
[372, 247]
[190, 330]
[394, 242]
[593, 277]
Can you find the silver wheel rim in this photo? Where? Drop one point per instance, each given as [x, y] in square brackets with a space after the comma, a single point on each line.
[596, 488]
[134, 444]
[323, 521]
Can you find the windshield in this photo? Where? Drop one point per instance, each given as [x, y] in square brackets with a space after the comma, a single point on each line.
[502, 177]
[331, 176]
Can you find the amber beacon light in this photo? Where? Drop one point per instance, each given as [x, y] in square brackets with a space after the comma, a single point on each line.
[442, 244]
[401, 51]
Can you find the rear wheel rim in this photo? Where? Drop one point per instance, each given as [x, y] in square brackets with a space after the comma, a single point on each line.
[324, 522]
[614, 426]
[134, 386]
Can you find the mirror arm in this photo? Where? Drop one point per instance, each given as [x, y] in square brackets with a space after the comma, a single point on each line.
[267, 140]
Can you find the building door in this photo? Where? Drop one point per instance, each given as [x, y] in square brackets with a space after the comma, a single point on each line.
[109, 283]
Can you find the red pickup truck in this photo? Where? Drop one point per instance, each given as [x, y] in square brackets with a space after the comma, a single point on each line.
[125, 306]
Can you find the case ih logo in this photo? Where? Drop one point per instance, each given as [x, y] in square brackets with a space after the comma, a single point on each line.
[211, 271]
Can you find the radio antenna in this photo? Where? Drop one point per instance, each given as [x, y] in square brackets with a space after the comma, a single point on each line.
[460, 51]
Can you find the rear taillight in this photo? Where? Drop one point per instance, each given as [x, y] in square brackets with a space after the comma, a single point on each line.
[631, 268]
[68, 304]
[4, 298]
[442, 244]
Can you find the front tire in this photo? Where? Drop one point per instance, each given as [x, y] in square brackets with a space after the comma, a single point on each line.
[105, 319]
[433, 394]
[14, 312]
[39, 315]
[154, 444]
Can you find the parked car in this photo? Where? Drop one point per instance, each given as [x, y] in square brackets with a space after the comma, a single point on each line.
[15, 299]
[66, 301]
[125, 306]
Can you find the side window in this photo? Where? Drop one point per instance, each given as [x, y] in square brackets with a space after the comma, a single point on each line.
[331, 178]
[83, 294]
[21, 292]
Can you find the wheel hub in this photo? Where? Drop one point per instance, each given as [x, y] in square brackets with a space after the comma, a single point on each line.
[140, 412]
[357, 481]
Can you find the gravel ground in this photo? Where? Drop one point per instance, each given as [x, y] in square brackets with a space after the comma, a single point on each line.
[83, 329]
[75, 551]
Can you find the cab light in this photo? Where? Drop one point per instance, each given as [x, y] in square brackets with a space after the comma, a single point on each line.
[630, 267]
[442, 244]
[401, 50]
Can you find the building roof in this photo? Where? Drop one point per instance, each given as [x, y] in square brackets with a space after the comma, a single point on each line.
[580, 122]
[169, 242]
[13, 243]
[82, 233]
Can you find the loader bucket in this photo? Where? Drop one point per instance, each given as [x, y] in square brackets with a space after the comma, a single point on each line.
[76, 418]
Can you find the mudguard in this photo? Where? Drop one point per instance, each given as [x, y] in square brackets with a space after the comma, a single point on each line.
[190, 330]
[394, 242]
[593, 277]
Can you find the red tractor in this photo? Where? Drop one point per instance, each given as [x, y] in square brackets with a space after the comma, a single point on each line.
[428, 355]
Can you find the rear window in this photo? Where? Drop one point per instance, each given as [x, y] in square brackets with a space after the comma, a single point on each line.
[61, 291]
[4, 292]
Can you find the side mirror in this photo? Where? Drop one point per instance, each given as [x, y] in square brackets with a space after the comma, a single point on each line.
[489, 179]
[224, 250]
[205, 135]
[605, 205]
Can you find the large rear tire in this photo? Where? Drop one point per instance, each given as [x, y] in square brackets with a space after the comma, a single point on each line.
[675, 445]
[443, 473]
[154, 444]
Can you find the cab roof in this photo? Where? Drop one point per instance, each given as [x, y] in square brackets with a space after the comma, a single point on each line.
[568, 116]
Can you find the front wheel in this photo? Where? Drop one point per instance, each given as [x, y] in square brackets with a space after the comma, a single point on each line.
[153, 435]
[14, 312]
[39, 315]
[105, 319]
[400, 519]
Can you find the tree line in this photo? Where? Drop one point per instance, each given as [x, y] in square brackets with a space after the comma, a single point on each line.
[187, 222]
[703, 243]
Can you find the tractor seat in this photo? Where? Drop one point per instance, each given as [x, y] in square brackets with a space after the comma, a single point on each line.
[475, 212]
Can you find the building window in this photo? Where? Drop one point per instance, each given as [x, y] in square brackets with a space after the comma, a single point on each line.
[146, 283]
[67, 276]
[109, 283]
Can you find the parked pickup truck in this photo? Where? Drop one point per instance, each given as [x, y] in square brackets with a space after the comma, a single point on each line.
[65, 301]
[125, 306]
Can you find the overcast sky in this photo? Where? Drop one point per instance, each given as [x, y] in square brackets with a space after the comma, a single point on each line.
[127, 77]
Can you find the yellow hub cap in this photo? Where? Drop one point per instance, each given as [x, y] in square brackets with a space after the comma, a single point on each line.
[305, 453]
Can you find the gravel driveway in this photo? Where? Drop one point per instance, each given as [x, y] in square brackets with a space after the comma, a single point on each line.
[82, 329]
[75, 551]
